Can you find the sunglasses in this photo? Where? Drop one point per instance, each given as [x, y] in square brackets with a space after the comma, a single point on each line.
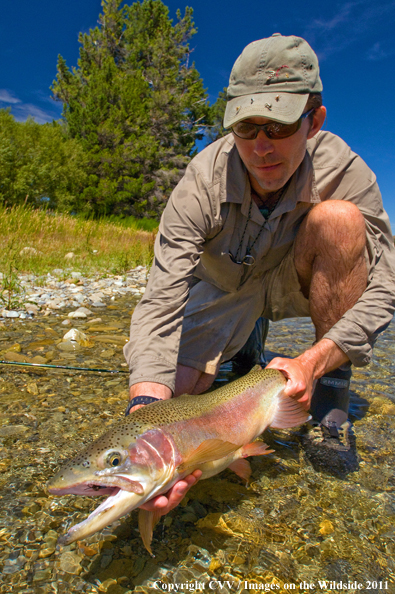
[273, 130]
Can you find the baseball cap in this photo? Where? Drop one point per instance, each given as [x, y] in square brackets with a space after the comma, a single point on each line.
[272, 78]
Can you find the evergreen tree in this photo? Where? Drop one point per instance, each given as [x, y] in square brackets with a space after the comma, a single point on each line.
[216, 129]
[38, 161]
[136, 104]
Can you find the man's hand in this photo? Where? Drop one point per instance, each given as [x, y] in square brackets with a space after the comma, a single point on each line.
[300, 379]
[303, 371]
[165, 503]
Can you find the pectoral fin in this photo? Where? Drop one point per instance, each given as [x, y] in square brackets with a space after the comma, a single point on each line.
[147, 522]
[209, 450]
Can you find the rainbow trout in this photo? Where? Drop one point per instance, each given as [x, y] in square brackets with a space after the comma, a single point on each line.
[144, 454]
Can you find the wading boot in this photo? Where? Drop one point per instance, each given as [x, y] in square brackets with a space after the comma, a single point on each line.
[328, 441]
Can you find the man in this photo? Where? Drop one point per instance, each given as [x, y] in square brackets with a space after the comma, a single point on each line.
[277, 219]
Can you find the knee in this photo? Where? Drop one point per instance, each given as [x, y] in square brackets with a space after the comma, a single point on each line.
[337, 217]
[334, 223]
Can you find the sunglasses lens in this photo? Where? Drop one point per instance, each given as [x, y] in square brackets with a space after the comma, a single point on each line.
[277, 130]
[244, 130]
[274, 130]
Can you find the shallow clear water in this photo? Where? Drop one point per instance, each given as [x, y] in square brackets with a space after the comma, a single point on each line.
[295, 526]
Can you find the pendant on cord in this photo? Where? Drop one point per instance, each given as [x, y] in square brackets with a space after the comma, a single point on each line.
[248, 260]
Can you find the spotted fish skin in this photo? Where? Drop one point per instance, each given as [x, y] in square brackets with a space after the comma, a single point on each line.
[144, 454]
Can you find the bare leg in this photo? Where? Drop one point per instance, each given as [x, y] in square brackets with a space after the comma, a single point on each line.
[330, 261]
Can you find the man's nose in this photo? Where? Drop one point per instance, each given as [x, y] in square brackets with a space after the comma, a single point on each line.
[263, 145]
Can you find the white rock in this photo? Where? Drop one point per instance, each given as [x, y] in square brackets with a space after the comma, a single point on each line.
[9, 314]
[85, 310]
[69, 256]
[76, 275]
[96, 296]
[79, 298]
[77, 336]
[77, 314]
[66, 323]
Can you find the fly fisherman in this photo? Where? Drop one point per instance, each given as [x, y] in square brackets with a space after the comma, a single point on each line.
[277, 219]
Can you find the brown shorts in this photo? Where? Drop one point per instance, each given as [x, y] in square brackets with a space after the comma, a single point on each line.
[217, 324]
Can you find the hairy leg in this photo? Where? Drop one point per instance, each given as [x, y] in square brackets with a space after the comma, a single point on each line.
[330, 261]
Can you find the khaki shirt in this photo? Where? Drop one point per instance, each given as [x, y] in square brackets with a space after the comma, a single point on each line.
[206, 217]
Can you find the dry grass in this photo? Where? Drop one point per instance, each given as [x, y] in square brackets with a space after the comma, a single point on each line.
[100, 247]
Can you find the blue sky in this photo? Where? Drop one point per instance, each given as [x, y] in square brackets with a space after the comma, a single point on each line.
[354, 42]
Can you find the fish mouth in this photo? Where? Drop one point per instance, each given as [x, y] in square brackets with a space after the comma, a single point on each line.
[118, 504]
[91, 488]
[98, 485]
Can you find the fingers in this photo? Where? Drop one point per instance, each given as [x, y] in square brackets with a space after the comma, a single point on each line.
[298, 383]
[165, 503]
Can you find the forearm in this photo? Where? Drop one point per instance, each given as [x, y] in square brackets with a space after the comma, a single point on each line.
[322, 357]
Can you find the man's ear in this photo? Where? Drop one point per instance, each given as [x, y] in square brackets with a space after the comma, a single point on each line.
[318, 121]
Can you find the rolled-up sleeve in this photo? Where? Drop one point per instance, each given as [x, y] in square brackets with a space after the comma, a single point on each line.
[356, 332]
[156, 323]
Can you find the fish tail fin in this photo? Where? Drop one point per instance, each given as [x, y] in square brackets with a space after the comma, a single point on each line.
[147, 522]
[289, 413]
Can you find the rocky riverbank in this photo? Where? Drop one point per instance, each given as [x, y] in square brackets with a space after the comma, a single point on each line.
[61, 290]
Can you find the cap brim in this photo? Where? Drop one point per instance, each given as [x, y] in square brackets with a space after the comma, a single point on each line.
[280, 107]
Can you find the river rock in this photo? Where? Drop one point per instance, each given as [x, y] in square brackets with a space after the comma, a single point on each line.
[31, 308]
[70, 563]
[77, 314]
[9, 314]
[85, 310]
[11, 430]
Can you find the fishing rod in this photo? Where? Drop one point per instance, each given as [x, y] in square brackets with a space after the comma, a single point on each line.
[64, 367]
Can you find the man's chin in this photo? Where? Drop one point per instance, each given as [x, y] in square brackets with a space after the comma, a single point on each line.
[270, 186]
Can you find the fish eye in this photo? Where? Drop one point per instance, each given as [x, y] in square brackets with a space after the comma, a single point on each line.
[114, 459]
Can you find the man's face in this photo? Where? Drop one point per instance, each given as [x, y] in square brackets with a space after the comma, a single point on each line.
[271, 163]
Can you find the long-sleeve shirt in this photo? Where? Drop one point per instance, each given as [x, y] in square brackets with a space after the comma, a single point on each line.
[205, 219]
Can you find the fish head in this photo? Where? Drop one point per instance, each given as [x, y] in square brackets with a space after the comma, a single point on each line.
[131, 470]
[117, 460]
